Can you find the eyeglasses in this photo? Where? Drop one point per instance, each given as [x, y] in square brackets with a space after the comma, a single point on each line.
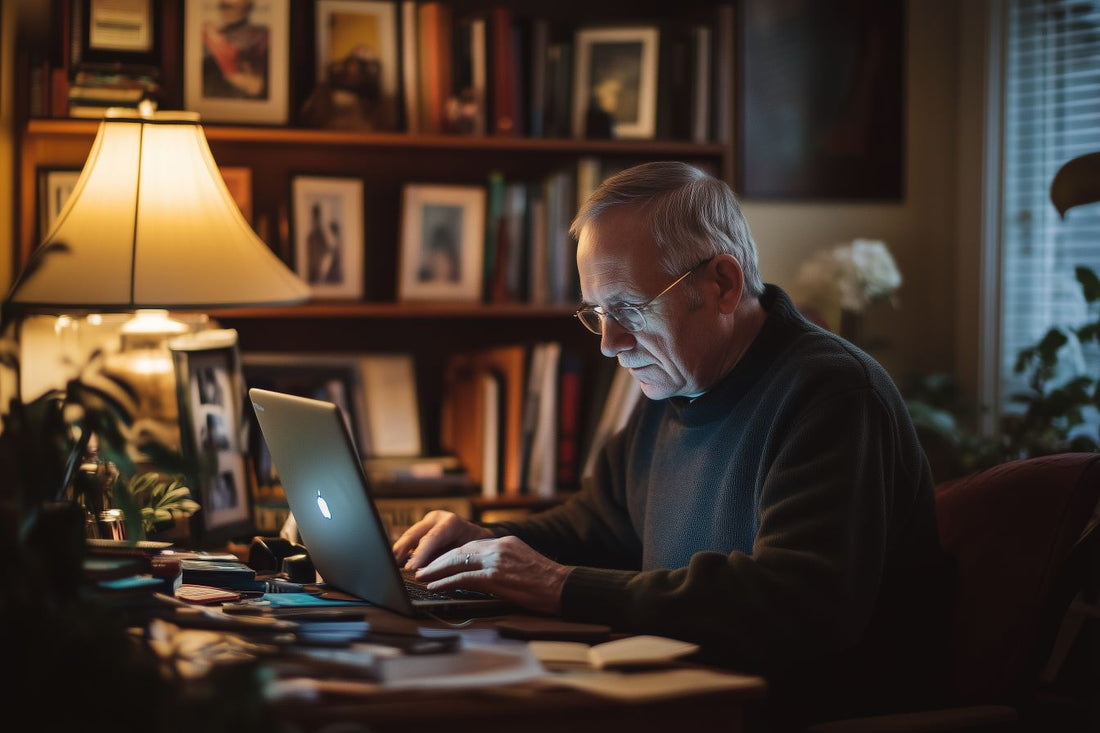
[630, 317]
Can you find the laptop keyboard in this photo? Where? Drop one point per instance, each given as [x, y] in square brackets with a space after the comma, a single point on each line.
[419, 591]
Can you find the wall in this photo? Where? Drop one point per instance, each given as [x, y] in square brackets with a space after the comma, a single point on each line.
[8, 13]
[920, 231]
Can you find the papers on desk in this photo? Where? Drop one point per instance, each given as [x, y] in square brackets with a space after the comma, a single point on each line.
[473, 665]
[623, 669]
[655, 685]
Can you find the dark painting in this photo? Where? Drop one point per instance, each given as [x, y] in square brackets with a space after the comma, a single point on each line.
[821, 99]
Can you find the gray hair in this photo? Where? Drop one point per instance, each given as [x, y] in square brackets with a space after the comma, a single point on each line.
[692, 215]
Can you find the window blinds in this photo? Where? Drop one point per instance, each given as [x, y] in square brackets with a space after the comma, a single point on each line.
[1051, 115]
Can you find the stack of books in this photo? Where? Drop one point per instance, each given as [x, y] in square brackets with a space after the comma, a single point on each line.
[95, 88]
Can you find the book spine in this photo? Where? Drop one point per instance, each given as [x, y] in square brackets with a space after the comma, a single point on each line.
[410, 66]
[435, 64]
[540, 40]
[569, 421]
[504, 69]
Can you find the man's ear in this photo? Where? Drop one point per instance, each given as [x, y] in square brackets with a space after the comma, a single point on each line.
[730, 279]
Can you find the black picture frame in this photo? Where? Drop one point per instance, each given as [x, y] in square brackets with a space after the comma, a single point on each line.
[821, 100]
[334, 378]
[214, 435]
[96, 48]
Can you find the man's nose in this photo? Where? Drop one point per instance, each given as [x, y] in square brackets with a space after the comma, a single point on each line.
[615, 339]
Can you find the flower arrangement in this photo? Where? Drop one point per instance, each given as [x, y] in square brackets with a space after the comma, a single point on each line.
[847, 277]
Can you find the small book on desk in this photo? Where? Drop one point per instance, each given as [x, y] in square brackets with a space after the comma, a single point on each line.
[229, 574]
[632, 651]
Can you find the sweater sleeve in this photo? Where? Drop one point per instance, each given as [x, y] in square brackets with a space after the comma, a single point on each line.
[810, 585]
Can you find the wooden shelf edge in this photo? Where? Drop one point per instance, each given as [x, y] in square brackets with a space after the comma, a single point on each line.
[87, 128]
[399, 310]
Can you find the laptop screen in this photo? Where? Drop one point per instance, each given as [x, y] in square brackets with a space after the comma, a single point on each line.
[328, 494]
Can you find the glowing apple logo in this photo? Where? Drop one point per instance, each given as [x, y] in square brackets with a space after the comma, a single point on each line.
[323, 506]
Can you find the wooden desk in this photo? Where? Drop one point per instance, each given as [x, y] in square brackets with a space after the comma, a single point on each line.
[527, 707]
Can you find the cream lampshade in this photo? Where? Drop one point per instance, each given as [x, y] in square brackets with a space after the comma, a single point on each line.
[150, 224]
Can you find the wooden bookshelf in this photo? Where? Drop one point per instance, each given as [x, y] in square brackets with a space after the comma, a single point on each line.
[385, 162]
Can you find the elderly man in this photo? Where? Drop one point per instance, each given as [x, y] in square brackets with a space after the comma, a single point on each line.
[770, 501]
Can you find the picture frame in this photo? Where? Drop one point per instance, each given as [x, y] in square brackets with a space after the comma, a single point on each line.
[118, 31]
[357, 68]
[615, 82]
[236, 60]
[335, 378]
[213, 434]
[442, 243]
[55, 186]
[846, 139]
[327, 231]
[238, 179]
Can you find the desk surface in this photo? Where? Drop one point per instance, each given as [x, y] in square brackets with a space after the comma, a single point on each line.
[529, 706]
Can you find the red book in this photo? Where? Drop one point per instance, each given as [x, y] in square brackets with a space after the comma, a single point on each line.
[569, 399]
[505, 64]
[434, 43]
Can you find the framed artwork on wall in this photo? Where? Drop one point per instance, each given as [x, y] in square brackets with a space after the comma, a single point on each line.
[442, 243]
[357, 67]
[327, 227]
[615, 82]
[828, 121]
[236, 60]
[118, 31]
[333, 378]
[210, 392]
[55, 185]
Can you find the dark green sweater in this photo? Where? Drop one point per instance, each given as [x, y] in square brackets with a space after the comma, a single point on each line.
[784, 520]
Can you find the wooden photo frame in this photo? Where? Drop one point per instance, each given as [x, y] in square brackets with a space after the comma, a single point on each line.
[327, 231]
[210, 392]
[118, 32]
[236, 60]
[829, 121]
[335, 378]
[55, 186]
[238, 179]
[357, 64]
[442, 243]
[615, 82]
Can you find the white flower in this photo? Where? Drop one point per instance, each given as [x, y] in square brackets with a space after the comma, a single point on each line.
[849, 276]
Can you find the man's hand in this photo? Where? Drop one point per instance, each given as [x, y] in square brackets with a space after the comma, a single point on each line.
[433, 535]
[506, 567]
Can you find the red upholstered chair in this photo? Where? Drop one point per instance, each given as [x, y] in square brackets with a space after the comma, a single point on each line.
[1026, 543]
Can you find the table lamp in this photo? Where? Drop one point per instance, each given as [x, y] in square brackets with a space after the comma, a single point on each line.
[150, 226]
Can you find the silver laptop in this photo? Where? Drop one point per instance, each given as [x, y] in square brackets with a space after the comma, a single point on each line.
[327, 489]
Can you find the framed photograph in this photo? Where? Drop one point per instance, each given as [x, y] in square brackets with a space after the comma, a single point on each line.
[328, 234]
[55, 185]
[213, 435]
[827, 122]
[615, 82]
[236, 57]
[118, 31]
[238, 180]
[357, 64]
[442, 243]
[334, 378]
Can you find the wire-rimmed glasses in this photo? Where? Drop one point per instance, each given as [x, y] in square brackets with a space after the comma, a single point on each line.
[630, 317]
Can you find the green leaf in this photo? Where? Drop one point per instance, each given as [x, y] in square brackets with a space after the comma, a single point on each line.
[1090, 283]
